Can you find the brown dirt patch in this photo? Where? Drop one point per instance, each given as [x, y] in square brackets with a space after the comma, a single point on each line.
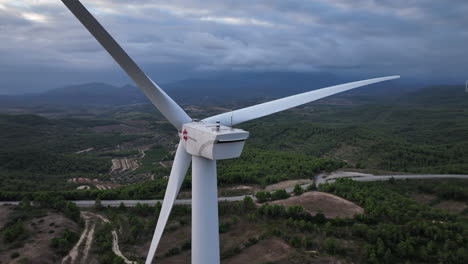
[237, 190]
[452, 206]
[121, 128]
[137, 123]
[37, 246]
[270, 250]
[171, 239]
[423, 198]
[287, 184]
[124, 164]
[184, 257]
[238, 233]
[4, 213]
[330, 205]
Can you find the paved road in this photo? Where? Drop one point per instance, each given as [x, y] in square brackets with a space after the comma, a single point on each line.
[320, 179]
[133, 203]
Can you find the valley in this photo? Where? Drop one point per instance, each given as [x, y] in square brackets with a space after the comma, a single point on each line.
[114, 162]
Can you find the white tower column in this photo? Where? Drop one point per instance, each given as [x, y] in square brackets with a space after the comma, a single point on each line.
[205, 226]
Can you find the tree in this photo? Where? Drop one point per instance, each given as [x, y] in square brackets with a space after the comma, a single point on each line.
[25, 203]
[295, 242]
[122, 206]
[295, 211]
[298, 190]
[332, 246]
[311, 187]
[13, 232]
[261, 197]
[388, 258]
[118, 260]
[64, 243]
[279, 195]
[380, 247]
[97, 203]
[72, 211]
[248, 203]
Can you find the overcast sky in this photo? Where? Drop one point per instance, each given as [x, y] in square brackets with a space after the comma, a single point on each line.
[43, 46]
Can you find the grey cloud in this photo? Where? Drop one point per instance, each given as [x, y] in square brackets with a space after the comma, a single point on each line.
[422, 38]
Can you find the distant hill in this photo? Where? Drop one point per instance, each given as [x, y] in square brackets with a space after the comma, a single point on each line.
[438, 95]
[79, 95]
[223, 89]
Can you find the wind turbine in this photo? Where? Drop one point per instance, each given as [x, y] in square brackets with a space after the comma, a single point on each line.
[201, 143]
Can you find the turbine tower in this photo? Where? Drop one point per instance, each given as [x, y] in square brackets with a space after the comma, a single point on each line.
[202, 143]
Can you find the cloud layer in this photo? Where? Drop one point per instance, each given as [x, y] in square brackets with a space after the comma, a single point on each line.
[41, 43]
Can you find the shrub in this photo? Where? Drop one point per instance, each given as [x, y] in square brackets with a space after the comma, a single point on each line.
[13, 232]
[261, 197]
[224, 227]
[186, 245]
[252, 241]
[298, 190]
[279, 195]
[332, 246]
[248, 203]
[173, 251]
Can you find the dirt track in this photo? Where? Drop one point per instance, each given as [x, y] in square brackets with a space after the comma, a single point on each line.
[115, 241]
[87, 237]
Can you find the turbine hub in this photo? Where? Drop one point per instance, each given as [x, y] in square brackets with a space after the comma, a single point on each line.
[213, 141]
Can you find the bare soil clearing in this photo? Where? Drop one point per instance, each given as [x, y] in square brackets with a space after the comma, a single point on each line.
[37, 247]
[172, 239]
[237, 190]
[264, 251]
[330, 205]
[452, 206]
[88, 182]
[423, 198]
[4, 213]
[184, 257]
[238, 233]
[125, 164]
[287, 184]
[82, 247]
[80, 253]
[115, 241]
[121, 128]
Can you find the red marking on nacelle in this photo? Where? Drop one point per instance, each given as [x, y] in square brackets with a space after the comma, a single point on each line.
[185, 133]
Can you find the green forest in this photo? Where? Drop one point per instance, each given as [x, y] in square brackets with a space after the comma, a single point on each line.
[417, 132]
[395, 228]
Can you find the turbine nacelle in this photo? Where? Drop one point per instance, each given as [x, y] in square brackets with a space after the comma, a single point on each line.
[212, 141]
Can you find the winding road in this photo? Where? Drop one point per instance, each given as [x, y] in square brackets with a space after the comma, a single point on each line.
[323, 178]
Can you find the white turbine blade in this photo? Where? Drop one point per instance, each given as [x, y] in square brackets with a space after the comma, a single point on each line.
[171, 110]
[179, 169]
[268, 108]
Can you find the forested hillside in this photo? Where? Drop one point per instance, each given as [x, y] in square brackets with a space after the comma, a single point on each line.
[418, 137]
[41, 154]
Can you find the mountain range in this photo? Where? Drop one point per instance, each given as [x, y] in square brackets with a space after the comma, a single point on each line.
[232, 88]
